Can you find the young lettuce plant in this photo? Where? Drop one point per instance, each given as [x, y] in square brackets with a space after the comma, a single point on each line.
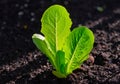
[65, 49]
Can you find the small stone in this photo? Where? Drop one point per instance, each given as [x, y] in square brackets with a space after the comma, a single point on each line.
[91, 59]
[100, 9]
[25, 26]
[20, 13]
[26, 5]
[32, 19]
[17, 5]
[32, 13]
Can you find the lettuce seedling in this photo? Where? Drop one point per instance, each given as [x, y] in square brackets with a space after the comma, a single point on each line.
[65, 49]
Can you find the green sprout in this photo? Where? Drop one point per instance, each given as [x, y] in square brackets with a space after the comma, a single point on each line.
[65, 49]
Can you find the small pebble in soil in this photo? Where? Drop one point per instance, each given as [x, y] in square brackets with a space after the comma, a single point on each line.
[32, 14]
[20, 13]
[100, 9]
[17, 5]
[91, 59]
[25, 26]
[32, 19]
[25, 5]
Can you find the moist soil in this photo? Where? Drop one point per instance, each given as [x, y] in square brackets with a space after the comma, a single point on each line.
[22, 63]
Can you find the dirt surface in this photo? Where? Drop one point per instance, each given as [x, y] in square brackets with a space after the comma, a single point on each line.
[22, 63]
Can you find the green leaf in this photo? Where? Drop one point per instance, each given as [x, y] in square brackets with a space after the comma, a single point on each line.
[60, 61]
[77, 47]
[56, 27]
[40, 43]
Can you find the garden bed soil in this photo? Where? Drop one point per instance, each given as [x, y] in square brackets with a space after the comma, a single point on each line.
[22, 63]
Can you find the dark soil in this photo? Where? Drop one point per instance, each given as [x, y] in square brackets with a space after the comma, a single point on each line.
[22, 63]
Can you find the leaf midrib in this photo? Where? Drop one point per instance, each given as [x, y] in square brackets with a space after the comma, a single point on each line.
[56, 31]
